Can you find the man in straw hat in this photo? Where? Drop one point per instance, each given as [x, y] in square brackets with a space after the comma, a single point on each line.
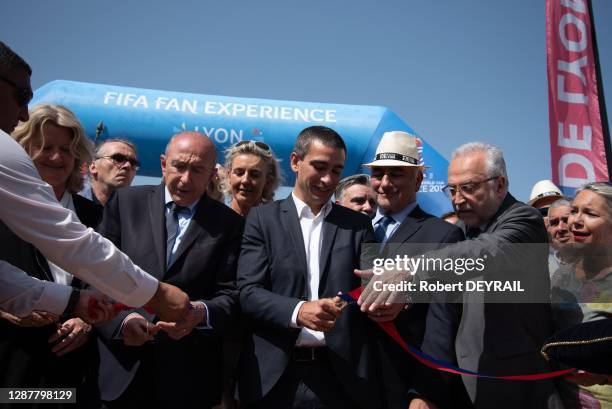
[494, 333]
[404, 228]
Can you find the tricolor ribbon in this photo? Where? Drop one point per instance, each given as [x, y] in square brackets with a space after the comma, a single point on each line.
[390, 329]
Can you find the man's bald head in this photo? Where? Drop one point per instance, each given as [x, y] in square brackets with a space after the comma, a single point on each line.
[188, 166]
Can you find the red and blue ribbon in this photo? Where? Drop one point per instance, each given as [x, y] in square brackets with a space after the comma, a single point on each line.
[390, 329]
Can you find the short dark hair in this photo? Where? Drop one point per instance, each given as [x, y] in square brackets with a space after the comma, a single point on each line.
[12, 61]
[323, 134]
[358, 179]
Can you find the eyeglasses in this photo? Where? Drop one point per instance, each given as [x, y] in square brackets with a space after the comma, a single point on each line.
[543, 211]
[119, 159]
[23, 94]
[467, 188]
[259, 144]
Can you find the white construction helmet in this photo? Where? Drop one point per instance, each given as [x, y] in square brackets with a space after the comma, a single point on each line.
[543, 189]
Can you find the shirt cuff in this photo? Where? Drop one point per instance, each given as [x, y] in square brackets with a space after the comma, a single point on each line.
[293, 323]
[54, 298]
[206, 323]
[147, 287]
[119, 333]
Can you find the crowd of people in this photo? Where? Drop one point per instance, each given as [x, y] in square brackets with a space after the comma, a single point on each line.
[229, 295]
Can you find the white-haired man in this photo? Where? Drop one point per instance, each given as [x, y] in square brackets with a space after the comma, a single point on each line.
[496, 334]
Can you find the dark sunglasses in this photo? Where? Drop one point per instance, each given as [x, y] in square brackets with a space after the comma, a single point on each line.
[22, 94]
[119, 159]
[259, 144]
[543, 211]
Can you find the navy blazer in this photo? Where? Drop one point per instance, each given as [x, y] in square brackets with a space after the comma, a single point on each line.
[272, 279]
[204, 266]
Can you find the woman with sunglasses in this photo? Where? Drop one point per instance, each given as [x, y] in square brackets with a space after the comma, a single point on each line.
[582, 289]
[42, 350]
[253, 174]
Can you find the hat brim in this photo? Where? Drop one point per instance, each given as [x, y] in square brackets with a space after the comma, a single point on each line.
[392, 162]
[535, 201]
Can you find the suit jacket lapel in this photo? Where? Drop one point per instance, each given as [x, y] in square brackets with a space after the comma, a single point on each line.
[407, 229]
[328, 231]
[193, 230]
[158, 226]
[291, 222]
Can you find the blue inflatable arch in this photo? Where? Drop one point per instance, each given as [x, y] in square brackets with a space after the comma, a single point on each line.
[150, 117]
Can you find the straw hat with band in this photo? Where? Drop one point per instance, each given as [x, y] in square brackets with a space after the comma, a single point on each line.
[397, 148]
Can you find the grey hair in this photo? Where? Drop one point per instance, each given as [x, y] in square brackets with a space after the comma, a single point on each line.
[100, 146]
[358, 179]
[560, 203]
[494, 157]
[603, 189]
[12, 61]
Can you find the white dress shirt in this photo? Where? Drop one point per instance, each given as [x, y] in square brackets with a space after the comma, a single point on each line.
[29, 208]
[312, 232]
[60, 275]
[184, 219]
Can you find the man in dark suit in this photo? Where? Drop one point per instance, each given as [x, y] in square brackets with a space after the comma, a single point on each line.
[491, 337]
[404, 229]
[304, 349]
[180, 235]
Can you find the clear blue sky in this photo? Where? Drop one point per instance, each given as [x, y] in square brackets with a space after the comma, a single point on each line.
[456, 71]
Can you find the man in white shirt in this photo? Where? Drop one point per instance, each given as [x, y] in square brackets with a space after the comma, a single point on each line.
[297, 254]
[30, 209]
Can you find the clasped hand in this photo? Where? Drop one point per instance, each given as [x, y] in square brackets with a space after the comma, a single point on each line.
[383, 305]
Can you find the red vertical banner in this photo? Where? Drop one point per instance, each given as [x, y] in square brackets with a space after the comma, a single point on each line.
[578, 153]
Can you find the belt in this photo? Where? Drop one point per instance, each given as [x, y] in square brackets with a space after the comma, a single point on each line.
[309, 354]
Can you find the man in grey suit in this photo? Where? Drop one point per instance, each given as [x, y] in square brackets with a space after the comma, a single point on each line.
[492, 337]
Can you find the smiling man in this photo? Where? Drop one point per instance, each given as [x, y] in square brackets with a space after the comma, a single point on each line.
[403, 228]
[297, 253]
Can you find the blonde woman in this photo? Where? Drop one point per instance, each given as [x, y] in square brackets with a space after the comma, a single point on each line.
[37, 350]
[253, 174]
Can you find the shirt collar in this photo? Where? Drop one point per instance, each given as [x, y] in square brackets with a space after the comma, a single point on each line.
[66, 201]
[168, 200]
[304, 210]
[399, 217]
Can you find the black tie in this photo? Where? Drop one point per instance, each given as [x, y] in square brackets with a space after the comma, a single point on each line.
[172, 229]
[381, 228]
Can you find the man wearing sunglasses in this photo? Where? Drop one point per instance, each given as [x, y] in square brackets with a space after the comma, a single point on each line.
[493, 335]
[115, 166]
[29, 208]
